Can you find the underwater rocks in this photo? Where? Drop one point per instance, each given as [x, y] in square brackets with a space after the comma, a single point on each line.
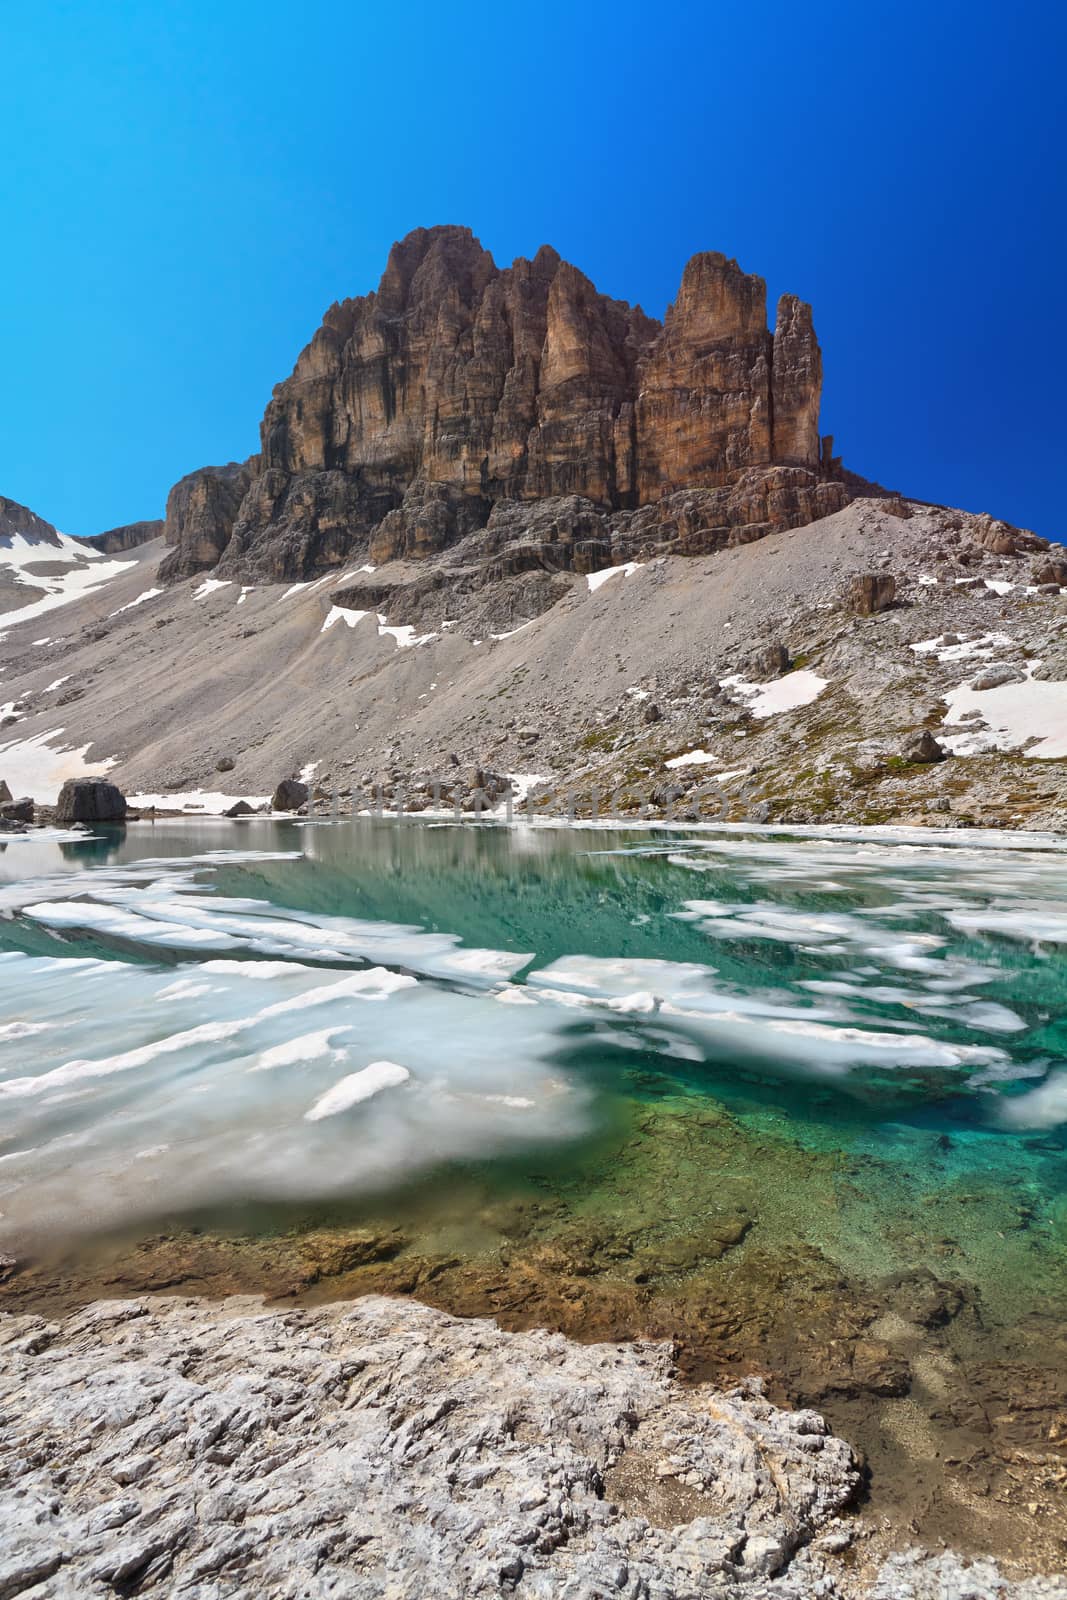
[384, 1448]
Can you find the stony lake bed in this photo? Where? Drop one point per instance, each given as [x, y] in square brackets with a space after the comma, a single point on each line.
[794, 1100]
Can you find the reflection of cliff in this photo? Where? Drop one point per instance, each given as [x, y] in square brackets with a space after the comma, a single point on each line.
[546, 893]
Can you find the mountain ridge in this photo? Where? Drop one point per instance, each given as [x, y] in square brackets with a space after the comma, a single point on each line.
[458, 387]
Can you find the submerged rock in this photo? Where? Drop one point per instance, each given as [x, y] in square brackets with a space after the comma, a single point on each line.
[383, 1448]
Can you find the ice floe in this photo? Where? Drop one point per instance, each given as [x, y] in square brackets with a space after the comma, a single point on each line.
[356, 1087]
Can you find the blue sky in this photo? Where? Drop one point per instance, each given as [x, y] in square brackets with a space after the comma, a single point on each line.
[187, 186]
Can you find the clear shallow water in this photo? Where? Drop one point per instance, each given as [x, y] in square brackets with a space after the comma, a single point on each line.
[856, 1045]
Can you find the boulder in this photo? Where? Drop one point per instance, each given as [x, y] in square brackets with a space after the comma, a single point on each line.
[652, 713]
[90, 800]
[5, 792]
[993, 677]
[1052, 668]
[241, 809]
[869, 592]
[770, 661]
[996, 537]
[225, 764]
[1050, 572]
[921, 747]
[290, 795]
[17, 810]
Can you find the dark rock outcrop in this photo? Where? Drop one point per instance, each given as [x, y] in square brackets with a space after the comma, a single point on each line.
[870, 592]
[200, 514]
[17, 810]
[127, 537]
[290, 795]
[458, 388]
[922, 748]
[18, 519]
[90, 800]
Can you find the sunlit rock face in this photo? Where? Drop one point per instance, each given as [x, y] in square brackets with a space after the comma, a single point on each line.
[458, 384]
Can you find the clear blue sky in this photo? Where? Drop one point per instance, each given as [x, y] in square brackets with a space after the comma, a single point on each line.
[186, 186]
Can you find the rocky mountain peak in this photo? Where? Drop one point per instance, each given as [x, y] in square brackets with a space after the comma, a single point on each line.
[16, 519]
[458, 386]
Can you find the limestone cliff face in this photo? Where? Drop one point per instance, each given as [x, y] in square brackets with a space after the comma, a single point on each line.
[19, 521]
[201, 509]
[127, 537]
[457, 385]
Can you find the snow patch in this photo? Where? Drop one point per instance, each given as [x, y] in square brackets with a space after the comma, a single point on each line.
[340, 614]
[596, 580]
[148, 594]
[1014, 714]
[87, 570]
[40, 768]
[787, 693]
[210, 802]
[405, 635]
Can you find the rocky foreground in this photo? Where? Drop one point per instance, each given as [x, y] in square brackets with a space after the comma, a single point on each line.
[381, 1448]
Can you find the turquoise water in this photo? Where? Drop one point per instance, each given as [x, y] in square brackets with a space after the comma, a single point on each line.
[855, 1043]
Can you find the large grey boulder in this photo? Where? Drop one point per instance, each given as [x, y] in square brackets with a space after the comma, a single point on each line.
[921, 747]
[17, 810]
[90, 800]
[290, 795]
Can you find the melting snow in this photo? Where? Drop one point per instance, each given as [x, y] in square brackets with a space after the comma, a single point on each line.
[966, 649]
[693, 758]
[88, 570]
[1013, 713]
[340, 614]
[209, 586]
[405, 636]
[37, 767]
[149, 594]
[357, 1086]
[596, 579]
[513, 631]
[208, 801]
[788, 693]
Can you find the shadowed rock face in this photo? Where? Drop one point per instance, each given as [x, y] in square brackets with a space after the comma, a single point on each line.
[458, 385]
[18, 519]
[127, 537]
